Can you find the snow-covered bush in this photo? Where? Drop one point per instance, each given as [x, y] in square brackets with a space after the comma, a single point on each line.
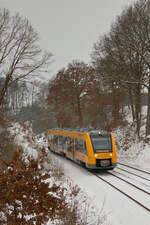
[37, 190]
[130, 148]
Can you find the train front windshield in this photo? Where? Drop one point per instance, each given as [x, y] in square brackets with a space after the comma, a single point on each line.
[101, 142]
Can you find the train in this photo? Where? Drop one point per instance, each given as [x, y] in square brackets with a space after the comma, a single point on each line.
[92, 148]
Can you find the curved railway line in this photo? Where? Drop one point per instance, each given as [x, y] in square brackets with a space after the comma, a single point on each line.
[130, 183]
[134, 168]
[144, 178]
[124, 185]
[136, 173]
[147, 208]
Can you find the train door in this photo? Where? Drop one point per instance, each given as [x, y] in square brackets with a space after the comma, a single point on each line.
[70, 147]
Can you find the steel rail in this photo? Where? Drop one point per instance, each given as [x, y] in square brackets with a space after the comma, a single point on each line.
[144, 171]
[127, 195]
[141, 189]
[144, 178]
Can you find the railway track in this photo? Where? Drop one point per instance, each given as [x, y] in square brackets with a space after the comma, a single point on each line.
[129, 181]
[134, 168]
[136, 175]
[120, 183]
[130, 190]
[133, 173]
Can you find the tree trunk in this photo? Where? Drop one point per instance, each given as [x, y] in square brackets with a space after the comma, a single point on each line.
[148, 113]
[3, 91]
[116, 104]
[80, 118]
[132, 104]
[138, 108]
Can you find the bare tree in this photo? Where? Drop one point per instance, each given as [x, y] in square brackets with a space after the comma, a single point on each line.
[122, 56]
[20, 55]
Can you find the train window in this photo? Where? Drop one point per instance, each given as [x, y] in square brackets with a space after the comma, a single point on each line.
[102, 142]
[50, 140]
[55, 140]
[80, 146]
[63, 142]
[50, 137]
[60, 141]
[69, 144]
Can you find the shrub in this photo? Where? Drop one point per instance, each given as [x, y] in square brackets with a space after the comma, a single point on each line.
[26, 197]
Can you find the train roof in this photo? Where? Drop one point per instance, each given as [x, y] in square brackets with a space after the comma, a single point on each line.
[90, 131]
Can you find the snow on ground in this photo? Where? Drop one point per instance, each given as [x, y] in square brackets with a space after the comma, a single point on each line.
[86, 208]
[129, 149]
[115, 208]
[24, 138]
[119, 209]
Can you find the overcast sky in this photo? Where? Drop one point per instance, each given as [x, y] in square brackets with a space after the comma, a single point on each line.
[68, 28]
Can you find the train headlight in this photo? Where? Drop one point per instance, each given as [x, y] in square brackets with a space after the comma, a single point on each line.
[110, 154]
[96, 155]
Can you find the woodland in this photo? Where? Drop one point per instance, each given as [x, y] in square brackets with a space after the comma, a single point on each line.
[80, 95]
